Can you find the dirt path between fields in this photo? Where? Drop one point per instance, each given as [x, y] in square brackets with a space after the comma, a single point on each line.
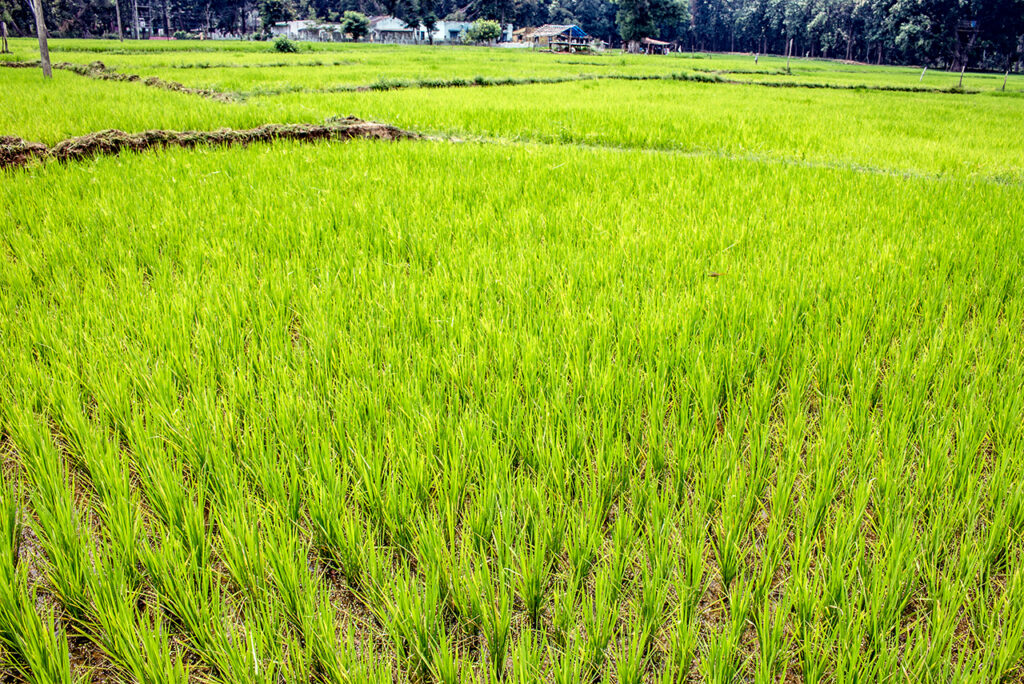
[16, 151]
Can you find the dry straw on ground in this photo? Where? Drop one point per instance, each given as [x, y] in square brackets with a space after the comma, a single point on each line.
[15, 151]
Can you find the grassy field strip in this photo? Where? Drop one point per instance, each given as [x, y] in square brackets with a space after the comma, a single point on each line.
[115, 142]
[99, 71]
[904, 132]
[557, 437]
[711, 77]
[359, 65]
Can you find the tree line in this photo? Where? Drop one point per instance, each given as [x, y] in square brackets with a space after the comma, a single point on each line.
[978, 34]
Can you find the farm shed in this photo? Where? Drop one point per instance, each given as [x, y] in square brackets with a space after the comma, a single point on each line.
[557, 37]
[656, 47]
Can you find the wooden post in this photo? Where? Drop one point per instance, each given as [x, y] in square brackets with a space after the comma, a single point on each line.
[117, 9]
[44, 48]
[789, 51]
[1005, 76]
[962, 70]
[4, 49]
[920, 80]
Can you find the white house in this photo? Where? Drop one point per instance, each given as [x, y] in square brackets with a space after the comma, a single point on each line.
[383, 29]
[450, 31]
[387, 29]
[309, 29]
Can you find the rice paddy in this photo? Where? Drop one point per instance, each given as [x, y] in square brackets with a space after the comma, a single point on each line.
[602, 380]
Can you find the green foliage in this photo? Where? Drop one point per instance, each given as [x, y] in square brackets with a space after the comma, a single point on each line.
[484, 31]
[639, 19]
[273, 11]
[285, 45]
[355, 24]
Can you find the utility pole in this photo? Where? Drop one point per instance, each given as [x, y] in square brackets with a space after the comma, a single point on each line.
[135, 19]
[44, 48]
[4, 50]
[117, 9]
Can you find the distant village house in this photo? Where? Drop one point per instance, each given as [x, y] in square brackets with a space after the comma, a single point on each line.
[308, 29]
[383, 29]
[555, 37]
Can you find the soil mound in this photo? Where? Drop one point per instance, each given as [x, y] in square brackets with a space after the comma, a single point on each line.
[17, 152]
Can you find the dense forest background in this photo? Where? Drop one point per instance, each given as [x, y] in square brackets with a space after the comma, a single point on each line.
[979, 34]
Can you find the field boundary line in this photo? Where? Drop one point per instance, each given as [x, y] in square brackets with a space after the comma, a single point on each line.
[698, 153]
[16, 151]
[98, 70]
[697, 76]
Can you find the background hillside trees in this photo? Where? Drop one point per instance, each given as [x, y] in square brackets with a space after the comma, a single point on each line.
[923, 32]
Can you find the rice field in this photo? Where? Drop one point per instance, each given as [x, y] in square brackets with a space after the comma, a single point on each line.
[602, 380]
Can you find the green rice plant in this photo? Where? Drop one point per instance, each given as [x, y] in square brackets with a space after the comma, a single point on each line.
[999, 619]
[528, 657]
[243, 551]
[653, 594]
[728, 551]
[342, 536]
[137, 643]
[468, 601]
[563, 612]
[569, 666]
[534, 561]
[496, 614]
[582, 544]
[35, 645]
[11, 523]
[444, 666]
[62, 533]
[598, 621]
[621, 555]
[42, 647]
[413, 620]
[773, 639]
[631, 665]
[720, 661]
[891, 583]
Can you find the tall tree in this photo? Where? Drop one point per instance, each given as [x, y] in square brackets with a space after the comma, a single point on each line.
[44, 47]
[639, 19]
[273, 11]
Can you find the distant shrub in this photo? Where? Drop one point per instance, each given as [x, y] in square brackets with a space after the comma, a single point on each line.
[180, 35]
[355, 24]
[484, 31]
[283, 44]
